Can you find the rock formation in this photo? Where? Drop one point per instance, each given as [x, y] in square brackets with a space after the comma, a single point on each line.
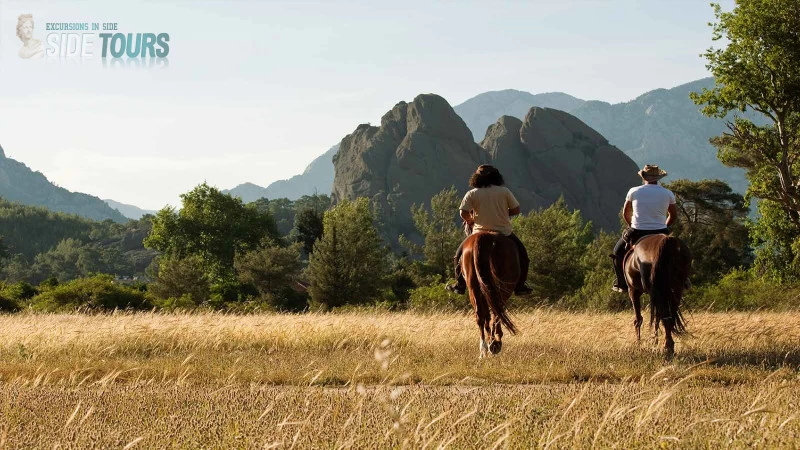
[423, 147]
[553, 154]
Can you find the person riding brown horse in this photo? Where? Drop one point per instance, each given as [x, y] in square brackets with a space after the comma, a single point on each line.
[658, 265]
[489, 207]
[649, 209]
[491, 267]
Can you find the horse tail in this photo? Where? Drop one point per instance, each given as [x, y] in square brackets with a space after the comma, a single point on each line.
[490, 283]
[664, 280]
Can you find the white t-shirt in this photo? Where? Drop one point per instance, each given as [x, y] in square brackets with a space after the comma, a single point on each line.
[650, 204]
[490, 206]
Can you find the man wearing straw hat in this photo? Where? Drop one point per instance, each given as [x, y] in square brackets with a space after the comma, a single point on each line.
[649, 209]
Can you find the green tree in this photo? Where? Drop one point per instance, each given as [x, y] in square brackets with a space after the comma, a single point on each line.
[711, 220]
[556, 240]
[594, 292]
[181, 278]
[213, 226]
[348, 265]
[68, 260]
[272, 271]
[270, 267]
[319, 203]
[282, 211]
[759, 70]
[441, 232]
[308, 227]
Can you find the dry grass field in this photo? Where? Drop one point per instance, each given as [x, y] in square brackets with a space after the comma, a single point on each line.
[395, 380]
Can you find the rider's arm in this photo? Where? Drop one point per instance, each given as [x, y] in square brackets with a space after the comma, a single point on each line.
[672, 214]
[513, 211]
[467, 216]
[627, 212]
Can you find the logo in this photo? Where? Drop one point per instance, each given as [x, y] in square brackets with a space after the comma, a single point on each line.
[87, 40]
[32, 48]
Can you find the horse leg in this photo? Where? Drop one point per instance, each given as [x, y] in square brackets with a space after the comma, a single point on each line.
[481, 326]
[669, 344]
[636, 300]
[488, 328]
[497, 336]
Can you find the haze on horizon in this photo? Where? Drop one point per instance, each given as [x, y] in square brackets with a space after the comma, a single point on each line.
[256, 90]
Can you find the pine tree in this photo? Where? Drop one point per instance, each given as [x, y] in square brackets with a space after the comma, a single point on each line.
[348, 264]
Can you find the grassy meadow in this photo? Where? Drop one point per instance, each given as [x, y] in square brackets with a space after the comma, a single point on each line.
[395, 380]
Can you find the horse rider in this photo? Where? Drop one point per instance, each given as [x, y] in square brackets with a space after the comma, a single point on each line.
[489, 207]
[649, 209]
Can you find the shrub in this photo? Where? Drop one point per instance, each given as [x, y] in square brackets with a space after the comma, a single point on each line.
[8, 304]
[743, 290]
[436, 298]
[95, 293]
[595, 293]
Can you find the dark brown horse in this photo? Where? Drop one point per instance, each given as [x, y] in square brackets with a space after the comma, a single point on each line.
[658, 265]
[490, 264]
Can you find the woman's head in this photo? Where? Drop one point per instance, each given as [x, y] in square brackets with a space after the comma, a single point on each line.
[25, 27]
[486, 176]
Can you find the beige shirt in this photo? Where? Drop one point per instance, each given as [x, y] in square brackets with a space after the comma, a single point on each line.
[490, 207]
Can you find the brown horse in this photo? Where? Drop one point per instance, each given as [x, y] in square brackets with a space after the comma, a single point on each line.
[490, 264]
[658, 265]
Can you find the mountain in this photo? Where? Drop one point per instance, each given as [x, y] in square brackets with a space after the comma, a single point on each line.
[553, 154]
[423, 147]
[316, 179]
[20, 184]
[129, 211]
[481, 111]
[662, 126]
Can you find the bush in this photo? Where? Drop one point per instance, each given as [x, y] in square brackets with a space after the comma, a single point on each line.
[182, 303]
[180, 278]
[595, 293]
[95, 293]
[8, 304]
[436, 298]
[21, 292]
[743, 290]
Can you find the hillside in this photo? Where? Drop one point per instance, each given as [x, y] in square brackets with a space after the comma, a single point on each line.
[662, 127]
[317, 178]
[129, 211]
[18, 183]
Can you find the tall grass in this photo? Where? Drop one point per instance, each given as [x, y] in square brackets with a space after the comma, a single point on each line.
[394, 380]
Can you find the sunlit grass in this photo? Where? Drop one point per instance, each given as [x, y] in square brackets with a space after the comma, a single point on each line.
[395, 380]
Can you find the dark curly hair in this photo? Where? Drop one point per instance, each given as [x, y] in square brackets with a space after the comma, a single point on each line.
[486, 176]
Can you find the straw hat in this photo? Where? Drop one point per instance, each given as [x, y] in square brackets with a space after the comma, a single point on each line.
[651, 172]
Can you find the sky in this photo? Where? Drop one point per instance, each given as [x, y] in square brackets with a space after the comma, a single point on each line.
[252, 91]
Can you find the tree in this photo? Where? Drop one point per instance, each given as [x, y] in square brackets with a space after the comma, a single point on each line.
[282, 211]
[308, 227]
[711, 220]
[68, 260]
[440, 230]
[759, 70]
[181, 277]
[556, 240]
[319, 203]
[270, 267]
[213, 226]
[348, 265]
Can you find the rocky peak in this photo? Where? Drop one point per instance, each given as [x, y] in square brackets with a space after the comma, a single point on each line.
[553, 154]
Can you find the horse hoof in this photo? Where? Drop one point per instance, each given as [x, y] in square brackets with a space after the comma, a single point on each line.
[495, 347]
